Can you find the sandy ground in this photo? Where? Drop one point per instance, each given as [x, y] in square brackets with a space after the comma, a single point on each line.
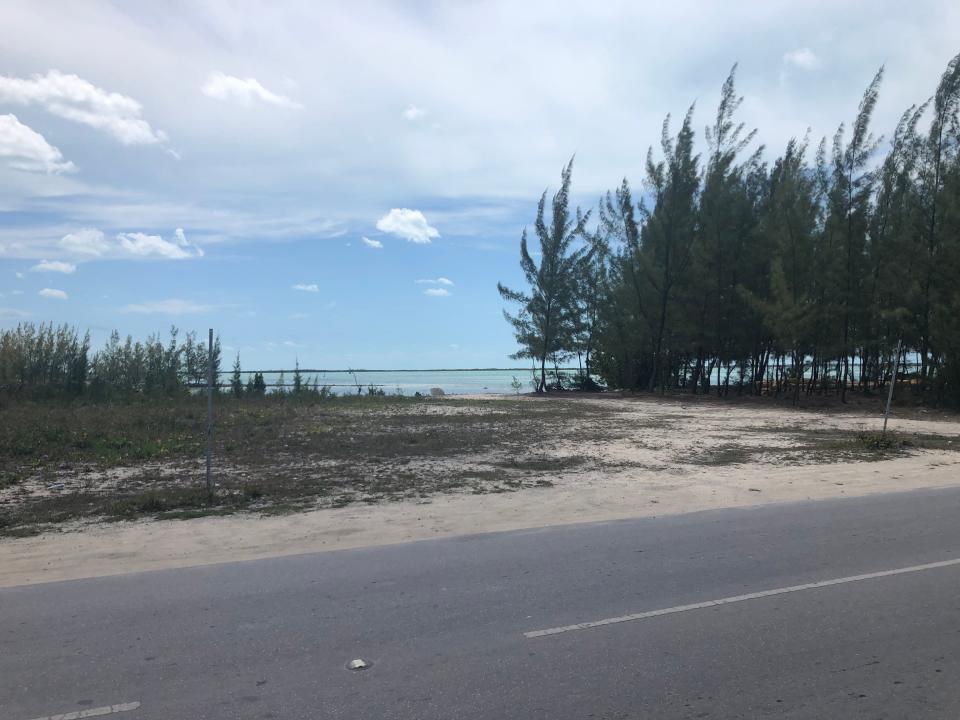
[654, 480]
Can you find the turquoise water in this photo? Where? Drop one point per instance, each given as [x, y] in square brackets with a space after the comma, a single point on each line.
[453, 382]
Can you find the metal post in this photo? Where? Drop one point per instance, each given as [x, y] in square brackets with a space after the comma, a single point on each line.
[893, 381]
[209, 409]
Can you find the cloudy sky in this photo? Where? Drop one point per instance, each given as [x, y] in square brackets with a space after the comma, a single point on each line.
[346, 182]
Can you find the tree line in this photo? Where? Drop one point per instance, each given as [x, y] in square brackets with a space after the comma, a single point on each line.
[48, 361]
[729, 271]
[57, 362]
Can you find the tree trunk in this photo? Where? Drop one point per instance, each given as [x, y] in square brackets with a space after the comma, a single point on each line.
[659, 345]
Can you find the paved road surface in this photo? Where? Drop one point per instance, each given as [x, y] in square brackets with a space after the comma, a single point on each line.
[443, 623]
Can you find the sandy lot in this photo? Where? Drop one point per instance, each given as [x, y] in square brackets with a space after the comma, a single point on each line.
[648, 458]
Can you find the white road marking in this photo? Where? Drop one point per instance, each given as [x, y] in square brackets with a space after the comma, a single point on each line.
[92, 712]
[740, 598]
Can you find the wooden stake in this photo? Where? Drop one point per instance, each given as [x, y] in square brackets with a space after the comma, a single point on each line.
[209, 411]
[893, 381]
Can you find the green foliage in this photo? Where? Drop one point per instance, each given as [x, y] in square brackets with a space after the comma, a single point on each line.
[546, 323]
[297, 380]
[796, 276]
[43, 361]
[236, 381]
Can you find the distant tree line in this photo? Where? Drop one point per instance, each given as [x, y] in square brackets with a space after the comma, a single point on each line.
[57, 362]
[300, 387]
[729, 271]
[47, 361]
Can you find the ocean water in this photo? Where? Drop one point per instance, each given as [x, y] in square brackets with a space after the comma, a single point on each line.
[408, 382]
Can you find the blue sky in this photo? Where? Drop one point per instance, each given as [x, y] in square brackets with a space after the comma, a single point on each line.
[346, 182]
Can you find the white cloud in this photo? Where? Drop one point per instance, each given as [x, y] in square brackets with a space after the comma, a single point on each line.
[19, 275]
[53, 293]
[54, 266]
[412, 112]
[803, 58]
[221, 86]
[372, 243]
[143, 245]
[172, 306]
[73, 98]
[312, 287]
[25, 149]
[407, 224]
[92, 242]
[435, 281]
[85, 242]
[6, 312]
[437, 292]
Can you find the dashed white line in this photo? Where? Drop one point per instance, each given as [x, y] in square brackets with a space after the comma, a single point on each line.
[92, 712]
[740, 598]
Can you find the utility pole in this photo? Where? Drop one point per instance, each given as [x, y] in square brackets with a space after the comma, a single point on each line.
[209, 410]
[893, 381]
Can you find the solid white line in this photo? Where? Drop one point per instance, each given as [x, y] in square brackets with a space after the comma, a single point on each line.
[93, 712]
[740, 598]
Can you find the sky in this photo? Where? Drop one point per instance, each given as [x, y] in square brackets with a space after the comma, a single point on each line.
[344, 184]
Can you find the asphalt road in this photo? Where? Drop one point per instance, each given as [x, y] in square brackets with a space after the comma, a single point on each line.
[443, 624]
